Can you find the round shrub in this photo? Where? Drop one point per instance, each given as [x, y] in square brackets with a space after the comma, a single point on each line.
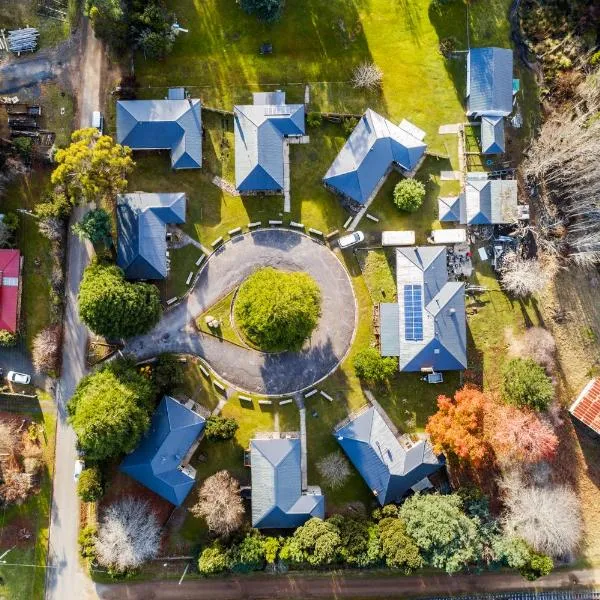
[314, 119]
[89, 486]
[213, 559]
[220, 428]
[7, 338]
[526, 385]
[371, 366]
[409, 195]
[278, 310]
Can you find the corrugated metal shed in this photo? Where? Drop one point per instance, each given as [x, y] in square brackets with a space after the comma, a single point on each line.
[155, 462]
[443, 343]
[490, 201]
[373, 148]
[492, 135]
[260, 129]
[489, 82]
[277, 498]
[388, 468]
[587, 406]
[174, 125]
[142, 220]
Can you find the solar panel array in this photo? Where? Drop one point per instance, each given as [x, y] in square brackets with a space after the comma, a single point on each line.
[413, 313]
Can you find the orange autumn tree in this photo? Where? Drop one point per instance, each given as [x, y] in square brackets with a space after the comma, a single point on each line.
[520, 436]
[458, 427]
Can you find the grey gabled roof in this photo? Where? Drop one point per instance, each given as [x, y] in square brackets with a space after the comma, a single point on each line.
[277, 498]
[174, 125]
[260, 129]
[490, 201]
[389, 329]
[142, 220]
[388, 468]
[492, 135]
[443, 343]
[489, 81]
[374, 146]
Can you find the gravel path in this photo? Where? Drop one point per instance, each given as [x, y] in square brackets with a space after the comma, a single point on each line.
[246, 369]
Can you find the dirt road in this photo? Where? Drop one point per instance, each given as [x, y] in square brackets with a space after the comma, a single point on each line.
[65, 578]
[334, 586]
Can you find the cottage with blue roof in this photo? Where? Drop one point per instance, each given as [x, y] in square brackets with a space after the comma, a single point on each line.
[490, 93]
[173, 124]
[262, 133]
[391, 465]
[483, 202]
[278, 498]
[161, 461]
[426, 328]
[374, 148]
[142, 220]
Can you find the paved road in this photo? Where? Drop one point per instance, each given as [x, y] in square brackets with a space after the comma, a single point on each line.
[65, 579]
[345, 586]
[280, 373]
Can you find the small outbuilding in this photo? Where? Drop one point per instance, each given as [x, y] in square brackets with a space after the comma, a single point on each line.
[586, 409]
[10, 289]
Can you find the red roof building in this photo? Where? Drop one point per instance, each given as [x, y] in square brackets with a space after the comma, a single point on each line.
[10, 286]
[587, 406]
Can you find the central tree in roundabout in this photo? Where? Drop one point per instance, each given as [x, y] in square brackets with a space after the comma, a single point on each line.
[277, 310]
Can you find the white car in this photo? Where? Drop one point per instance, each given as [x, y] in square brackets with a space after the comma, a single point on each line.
[15, 377]
[350, 240]
[79, 465]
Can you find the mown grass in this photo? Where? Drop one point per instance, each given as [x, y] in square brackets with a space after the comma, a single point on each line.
[221, 311]
[19, 582]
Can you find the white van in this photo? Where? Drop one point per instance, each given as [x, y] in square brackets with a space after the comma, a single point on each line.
[98, 121]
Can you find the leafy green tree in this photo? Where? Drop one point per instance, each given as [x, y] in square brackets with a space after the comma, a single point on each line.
[89, 485]
[399, 550]
[267, 11]
[95, 226]
[92, 168]
[213, 560]
[357, 540]
[538, 566]
[220, 428]
[167, 372]
[110, 410]
[54, 206]
[278, 310]
[87, 542]
[447, 537]
[24, 146]
[409, 195]
[7, 338]
[109, 21]
[317, 543]
[371, 366]
[114, 308]
[249, 554]
[526, 385]
[151, 30]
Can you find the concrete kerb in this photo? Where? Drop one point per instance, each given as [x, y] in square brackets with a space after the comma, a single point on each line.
[288, 393]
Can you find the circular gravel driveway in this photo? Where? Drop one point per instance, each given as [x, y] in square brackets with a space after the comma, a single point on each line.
[244, 368]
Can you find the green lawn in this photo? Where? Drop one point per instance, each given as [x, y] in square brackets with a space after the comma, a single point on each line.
[24, 192]
[19, 582]
[222, 312]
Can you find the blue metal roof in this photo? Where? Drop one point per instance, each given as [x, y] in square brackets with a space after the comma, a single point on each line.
[373, 148]
[492, 135]
[388, 468]
[277, 498]
[155, 462]
[490, 201]
[142, 222]
[441, 343]
[449, 209]
[489, 82]
[174, 125]
[260, 129]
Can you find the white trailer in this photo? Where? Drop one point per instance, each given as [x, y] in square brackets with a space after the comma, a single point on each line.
[397, 238]
[448, 236]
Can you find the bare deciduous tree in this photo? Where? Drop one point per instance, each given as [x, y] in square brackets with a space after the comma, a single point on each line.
[521, 276]
[9, 439]
[16, 486]
[367, 76]
[51, 228]
[46, 349]
[562, 169]
[5, 235]
[220, 504]
[128, 535]
[334, 469]
[546, 517]
[538, 344]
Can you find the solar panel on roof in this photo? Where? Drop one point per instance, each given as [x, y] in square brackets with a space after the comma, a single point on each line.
[413, 313]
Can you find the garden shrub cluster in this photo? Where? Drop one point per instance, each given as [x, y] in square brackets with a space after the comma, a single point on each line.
[409, 195]
[371, 366]
[447, 532]
[220, 428]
